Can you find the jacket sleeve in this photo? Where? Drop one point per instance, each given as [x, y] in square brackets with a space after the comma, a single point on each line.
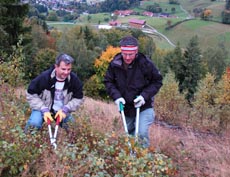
[76, 98]
[153, 79]
[35, 101]
[109, 82]
[35, 92]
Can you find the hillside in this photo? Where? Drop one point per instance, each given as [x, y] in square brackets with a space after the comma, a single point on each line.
[210, 34]
[195, 153]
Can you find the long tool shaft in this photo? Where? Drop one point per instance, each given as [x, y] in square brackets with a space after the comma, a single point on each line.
[137, 123]
[132, 153]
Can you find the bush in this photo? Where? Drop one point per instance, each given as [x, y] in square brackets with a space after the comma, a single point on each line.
[94, 87]
[169, 102]
[81, 152]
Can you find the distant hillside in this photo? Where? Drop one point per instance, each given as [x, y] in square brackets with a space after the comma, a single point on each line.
[210, 34]
[216, 6]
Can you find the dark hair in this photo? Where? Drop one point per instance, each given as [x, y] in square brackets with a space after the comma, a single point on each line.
[64, 57]
[129, 41]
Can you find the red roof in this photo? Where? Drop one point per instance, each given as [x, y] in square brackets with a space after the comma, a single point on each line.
[123, 12]
[141, 22]
[114, 23]
[148, 13]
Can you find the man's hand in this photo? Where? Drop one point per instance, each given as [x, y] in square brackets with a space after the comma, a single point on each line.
[118, 101]
[139, 101]
[47, 116]
[61, 115]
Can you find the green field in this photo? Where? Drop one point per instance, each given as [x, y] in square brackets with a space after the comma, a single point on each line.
[210, 34]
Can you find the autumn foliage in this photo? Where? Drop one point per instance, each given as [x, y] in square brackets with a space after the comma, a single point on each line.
[94, 86]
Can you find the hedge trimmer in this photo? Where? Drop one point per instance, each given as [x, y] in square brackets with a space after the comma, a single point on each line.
[53, 136]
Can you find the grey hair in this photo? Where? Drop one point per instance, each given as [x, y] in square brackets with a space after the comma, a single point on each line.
[65, 58]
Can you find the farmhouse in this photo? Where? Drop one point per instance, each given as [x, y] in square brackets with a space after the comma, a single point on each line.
[123, 12]
[146, 13]
[137, 23]
[114, 23]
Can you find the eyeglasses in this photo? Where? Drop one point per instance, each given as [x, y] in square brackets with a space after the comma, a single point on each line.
[128, 54]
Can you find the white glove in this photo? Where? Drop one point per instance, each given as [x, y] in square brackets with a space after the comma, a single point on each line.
[118, 101]
[139, 101]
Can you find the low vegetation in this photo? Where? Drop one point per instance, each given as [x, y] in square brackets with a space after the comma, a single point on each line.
[96, 144]
[82, 151]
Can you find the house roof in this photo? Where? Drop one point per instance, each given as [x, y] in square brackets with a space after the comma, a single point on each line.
[141, 22]
[123, 12]
[148, 13]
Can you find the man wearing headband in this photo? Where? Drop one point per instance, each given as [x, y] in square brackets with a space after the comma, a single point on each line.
[133, 80]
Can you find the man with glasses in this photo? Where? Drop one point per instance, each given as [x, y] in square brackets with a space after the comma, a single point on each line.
[55, 92]
[132, 79]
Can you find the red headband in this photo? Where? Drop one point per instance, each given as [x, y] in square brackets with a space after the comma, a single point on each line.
[129, 48]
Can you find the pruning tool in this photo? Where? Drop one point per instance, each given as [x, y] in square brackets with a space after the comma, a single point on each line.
[132, 152]
[53, 136]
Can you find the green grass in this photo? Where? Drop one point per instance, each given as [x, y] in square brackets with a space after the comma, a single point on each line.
[166, 7]
[210, 34]
[195, 24]
[61, 25]
[94, 18]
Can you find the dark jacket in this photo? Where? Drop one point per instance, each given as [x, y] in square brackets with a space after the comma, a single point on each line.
[40, 93]
[141, 78]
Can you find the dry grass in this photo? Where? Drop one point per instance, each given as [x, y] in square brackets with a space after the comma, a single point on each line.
[196, 154]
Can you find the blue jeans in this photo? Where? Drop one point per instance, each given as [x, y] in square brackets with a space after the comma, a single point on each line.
[36, 120]
[146, 118]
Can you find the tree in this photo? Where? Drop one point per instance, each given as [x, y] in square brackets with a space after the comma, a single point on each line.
[52, 16]
[169, 101]
[44, 59]
[158, 58]
[206, 91]
[223, 99]
[39, 39]
[226, 13]
[94, 86]
[215, 61]
[73, 42]
[173, 2]
[12, 14]
[174, 61]
[205, 112]
[227, 6]
[146, 46]
[206, 14]
[191, 69]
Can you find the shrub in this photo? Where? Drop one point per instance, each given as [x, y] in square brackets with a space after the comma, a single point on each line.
[11, 70]
[169, 102]
[81, 152]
